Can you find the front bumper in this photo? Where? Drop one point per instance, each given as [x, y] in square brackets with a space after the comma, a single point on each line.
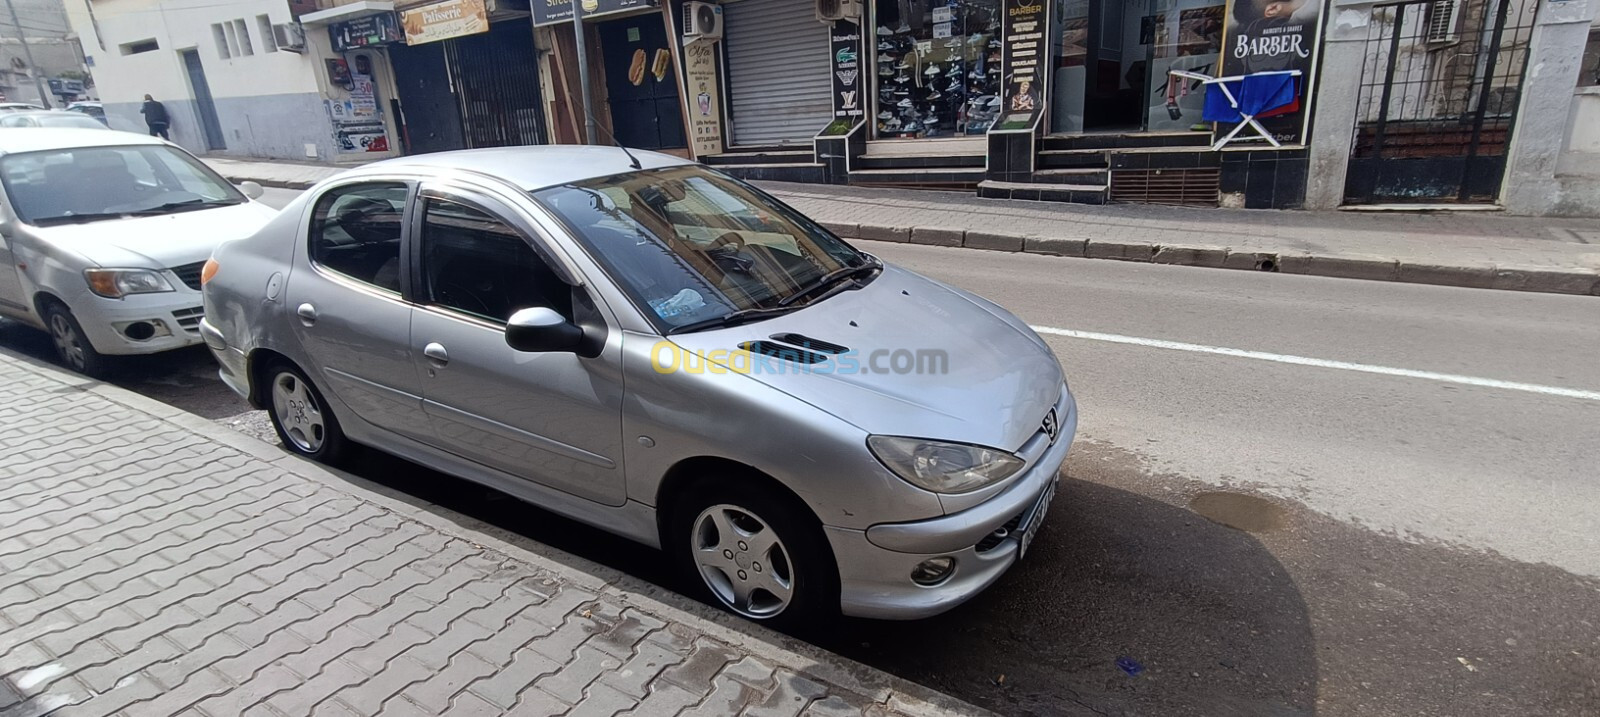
[875, 564]
[172, 318]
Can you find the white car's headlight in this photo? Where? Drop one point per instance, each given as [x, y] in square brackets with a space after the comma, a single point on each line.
[117, 283]
[943, 467]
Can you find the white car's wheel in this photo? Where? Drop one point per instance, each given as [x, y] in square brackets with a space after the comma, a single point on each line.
[72, 346]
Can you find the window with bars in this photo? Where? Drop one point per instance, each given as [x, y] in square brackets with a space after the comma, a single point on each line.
[1442, 20]
[221, 38]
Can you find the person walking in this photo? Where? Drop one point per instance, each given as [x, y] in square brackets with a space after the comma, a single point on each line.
[155, 117]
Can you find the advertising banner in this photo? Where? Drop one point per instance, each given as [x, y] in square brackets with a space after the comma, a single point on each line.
[705, 108]
[1024, 65]
[444, 20]
[849, 106]
[1263, 35]
[365, 32]
[548, 12]
[356, 131]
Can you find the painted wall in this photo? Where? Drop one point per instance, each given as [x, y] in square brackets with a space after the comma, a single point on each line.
[269, 103]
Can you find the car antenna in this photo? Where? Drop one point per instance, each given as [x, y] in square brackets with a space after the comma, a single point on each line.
[632, 159]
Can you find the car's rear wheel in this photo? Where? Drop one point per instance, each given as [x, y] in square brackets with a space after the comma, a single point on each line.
[756, 555]
[72, 345]
[303, 420]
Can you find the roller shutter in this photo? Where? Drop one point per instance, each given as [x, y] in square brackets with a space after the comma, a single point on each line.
[779, 88]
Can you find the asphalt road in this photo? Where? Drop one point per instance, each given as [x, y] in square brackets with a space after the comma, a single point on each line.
[1236, 534]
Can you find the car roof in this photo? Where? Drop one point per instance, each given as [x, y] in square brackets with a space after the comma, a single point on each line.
[534, 167]
[36, 139]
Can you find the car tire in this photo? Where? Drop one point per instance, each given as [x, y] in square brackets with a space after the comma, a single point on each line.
[72, 345]
[755, 553]
[304, 421]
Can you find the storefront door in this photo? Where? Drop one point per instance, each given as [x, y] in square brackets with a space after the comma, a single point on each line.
[430, 114]
[1112, 60]
[641, 83]
[937, 67]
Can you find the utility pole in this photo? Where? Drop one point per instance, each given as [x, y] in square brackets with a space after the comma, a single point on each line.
[583, 70]
[33, 69]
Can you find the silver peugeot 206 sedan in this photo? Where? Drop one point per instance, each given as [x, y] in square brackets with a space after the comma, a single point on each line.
[654, 348]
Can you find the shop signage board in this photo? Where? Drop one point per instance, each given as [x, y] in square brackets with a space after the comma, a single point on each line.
[705, 107]
[849, 102]
[444, 20]
[1025, 63]
[368, 31]
[1285, 35]
[549, 12]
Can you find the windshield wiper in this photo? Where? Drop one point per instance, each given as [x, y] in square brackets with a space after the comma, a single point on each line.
[182, 206]
[732, 318]
[828, 279]
[77, 218]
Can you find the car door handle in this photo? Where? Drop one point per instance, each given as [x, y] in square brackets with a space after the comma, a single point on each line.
[307, 313]
[437, 356]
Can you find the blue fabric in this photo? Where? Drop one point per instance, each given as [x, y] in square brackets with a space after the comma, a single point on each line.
[1257, 94]
[1264, 93]
[1218, 108]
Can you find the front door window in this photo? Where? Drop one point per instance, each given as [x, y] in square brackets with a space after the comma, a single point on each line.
[938, 67]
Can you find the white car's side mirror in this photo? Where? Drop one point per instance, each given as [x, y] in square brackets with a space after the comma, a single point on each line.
[251, 189]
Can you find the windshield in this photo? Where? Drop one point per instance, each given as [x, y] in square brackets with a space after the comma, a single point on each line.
[80, 184]
[688, 245]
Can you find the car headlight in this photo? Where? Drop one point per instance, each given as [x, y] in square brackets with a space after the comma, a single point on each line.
[943, 467]
[117, 283]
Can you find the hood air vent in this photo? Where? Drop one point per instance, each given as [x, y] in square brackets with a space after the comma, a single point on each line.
[785, 353]
[806, 342]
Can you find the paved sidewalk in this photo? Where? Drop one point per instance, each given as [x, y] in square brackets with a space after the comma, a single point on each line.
[1464, 248]
[154, 564]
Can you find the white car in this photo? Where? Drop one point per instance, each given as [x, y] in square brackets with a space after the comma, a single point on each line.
[103, 236]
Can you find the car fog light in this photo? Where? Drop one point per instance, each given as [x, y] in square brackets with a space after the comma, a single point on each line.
[139, 330]
[933, 570]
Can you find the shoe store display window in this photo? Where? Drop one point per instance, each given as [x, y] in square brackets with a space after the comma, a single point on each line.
[938, 67]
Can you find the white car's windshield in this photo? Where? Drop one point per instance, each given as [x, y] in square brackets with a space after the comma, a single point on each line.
[83, 184]
[691, 246]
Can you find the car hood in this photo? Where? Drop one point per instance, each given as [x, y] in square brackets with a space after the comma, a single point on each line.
[999, 379]
[156, 242]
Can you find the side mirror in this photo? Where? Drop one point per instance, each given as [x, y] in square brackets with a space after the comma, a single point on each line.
[251, 189]
[541, 330]
[5, 227]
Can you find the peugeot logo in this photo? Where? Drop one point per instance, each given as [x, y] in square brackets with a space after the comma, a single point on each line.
[1051, 426]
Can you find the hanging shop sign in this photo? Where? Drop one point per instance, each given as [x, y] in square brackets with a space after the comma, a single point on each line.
[1266, 35]
[549, 12]
[1023, 102]
[444, 20]
[849, 104]
[368, 31]
[705, 108]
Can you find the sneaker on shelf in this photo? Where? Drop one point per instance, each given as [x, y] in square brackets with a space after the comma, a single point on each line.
[885, 71]
[885, 58]
[904, 103]
[884, 30]
[886, 115]
[911, 127]
[902, 78]
[885, 46]
[933, 71]
[900, 92]
[902, 64]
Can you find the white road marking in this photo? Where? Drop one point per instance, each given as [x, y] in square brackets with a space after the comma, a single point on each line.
[1323, 363]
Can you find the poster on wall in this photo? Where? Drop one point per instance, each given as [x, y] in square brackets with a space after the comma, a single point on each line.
[444, 20]
[355, 133]
[1265, 35]
[1026, 46]
[705, 110]
[848, 104]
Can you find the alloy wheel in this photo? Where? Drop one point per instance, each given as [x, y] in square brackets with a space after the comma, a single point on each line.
[69, 345]
[743, 561]
[296, 409]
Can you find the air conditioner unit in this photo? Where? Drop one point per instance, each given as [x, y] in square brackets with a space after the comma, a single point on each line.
[831, 10]
[702, 22]
[289, 36]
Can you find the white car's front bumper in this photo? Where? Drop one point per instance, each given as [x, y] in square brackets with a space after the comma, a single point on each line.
[171, 320]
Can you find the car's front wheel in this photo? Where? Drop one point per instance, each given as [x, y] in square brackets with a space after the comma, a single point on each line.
[72, 345]
[303, 420]
[756, 555]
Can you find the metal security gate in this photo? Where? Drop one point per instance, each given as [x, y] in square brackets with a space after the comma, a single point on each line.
[1439, 93]
[778, 84]
[497, 79]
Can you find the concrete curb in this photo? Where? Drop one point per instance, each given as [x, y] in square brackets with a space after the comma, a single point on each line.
[1575, 281]
[891, 693]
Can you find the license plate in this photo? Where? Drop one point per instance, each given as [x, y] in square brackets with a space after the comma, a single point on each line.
[1040, 510]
